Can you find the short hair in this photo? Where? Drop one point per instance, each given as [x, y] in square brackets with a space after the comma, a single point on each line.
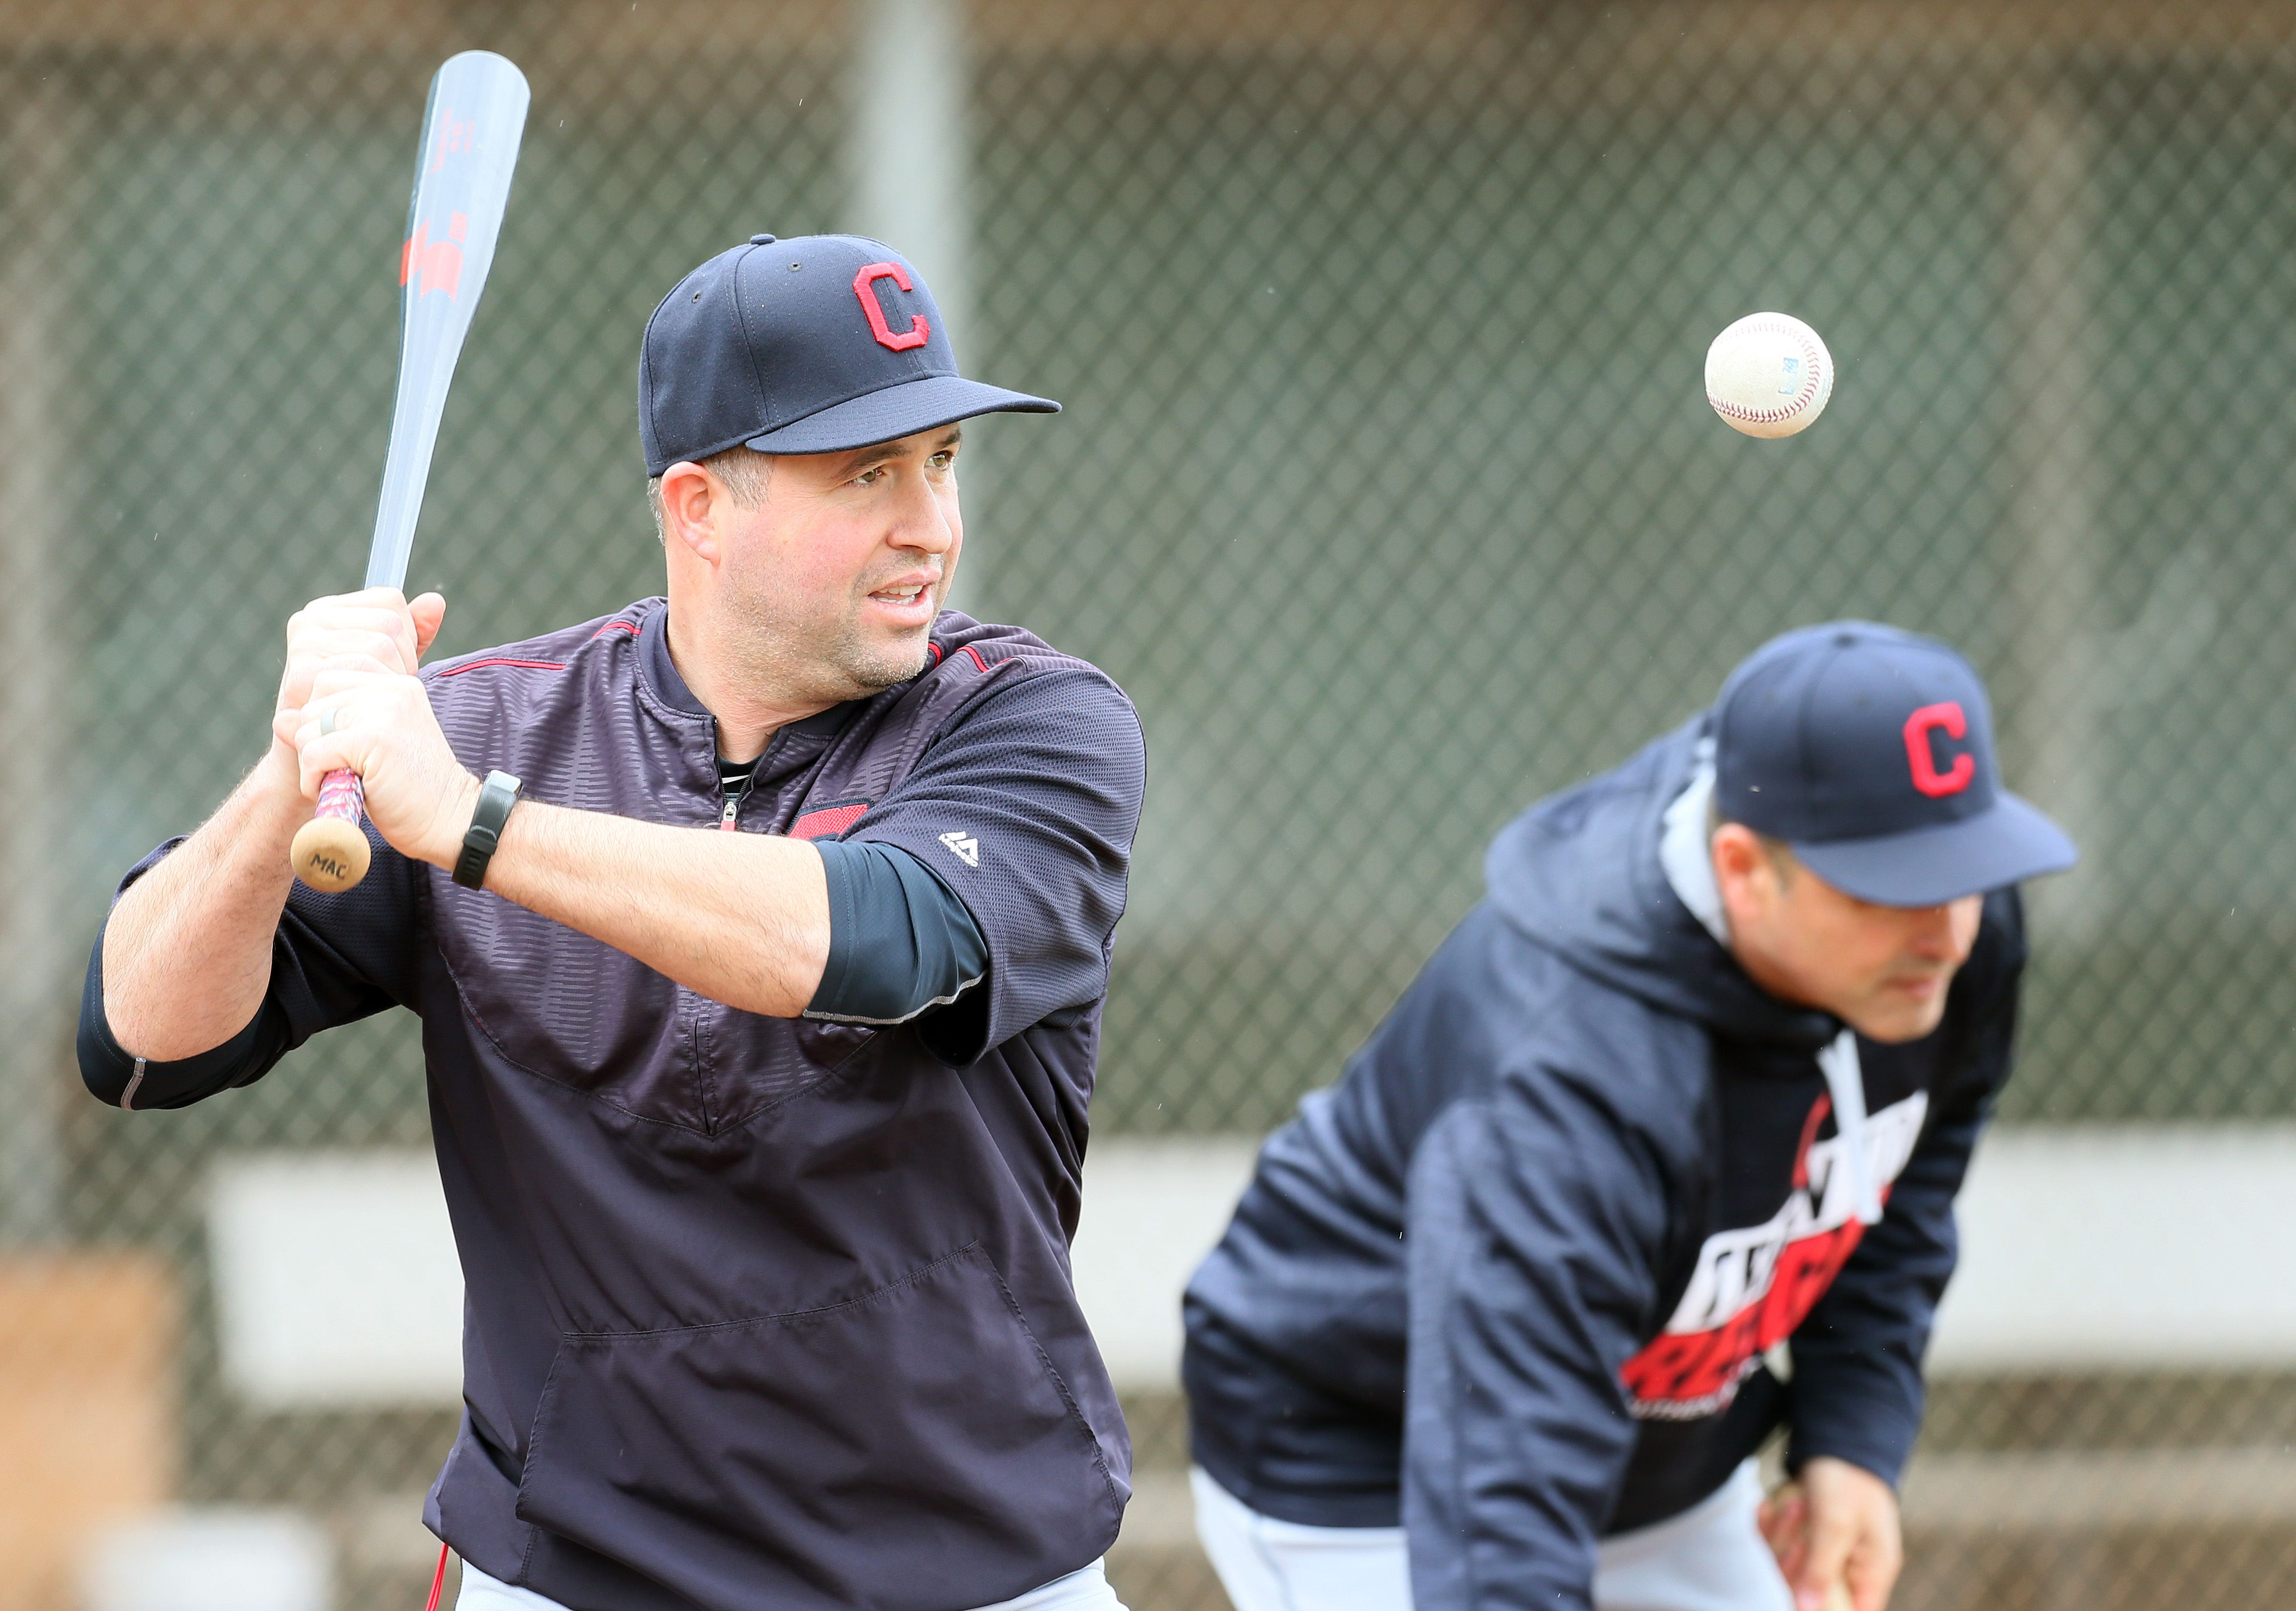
[745, 471]
[1783, 860]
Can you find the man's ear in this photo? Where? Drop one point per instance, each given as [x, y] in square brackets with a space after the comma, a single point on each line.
[691, 500]
[1740, 862]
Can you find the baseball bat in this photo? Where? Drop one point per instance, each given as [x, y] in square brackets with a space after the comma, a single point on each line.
[463, 167]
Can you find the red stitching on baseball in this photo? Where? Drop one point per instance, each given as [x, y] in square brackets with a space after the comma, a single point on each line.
[1810, 358]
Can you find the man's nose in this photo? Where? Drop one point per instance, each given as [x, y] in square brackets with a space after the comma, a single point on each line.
[919, 522]
[1932, 934]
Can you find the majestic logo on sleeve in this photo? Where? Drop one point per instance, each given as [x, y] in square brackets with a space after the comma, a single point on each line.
[1753, 1285]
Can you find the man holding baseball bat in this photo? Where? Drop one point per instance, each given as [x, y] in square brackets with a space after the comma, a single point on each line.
[760, 979]
[1657, 1155]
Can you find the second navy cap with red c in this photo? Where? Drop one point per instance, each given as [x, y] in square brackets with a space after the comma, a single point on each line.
[818, 344]
[1869, 751]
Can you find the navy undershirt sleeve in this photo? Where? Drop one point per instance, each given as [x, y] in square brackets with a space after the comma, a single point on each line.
[1025, 805]
[900, 942]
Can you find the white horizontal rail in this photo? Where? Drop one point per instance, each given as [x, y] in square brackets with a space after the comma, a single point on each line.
[336, 1280]
[2123, 1247]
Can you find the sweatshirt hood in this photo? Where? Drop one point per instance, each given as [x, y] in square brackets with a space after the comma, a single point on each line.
[1579, 874]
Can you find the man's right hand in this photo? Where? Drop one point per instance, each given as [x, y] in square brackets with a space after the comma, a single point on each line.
[1834, 1530]
[377, 629]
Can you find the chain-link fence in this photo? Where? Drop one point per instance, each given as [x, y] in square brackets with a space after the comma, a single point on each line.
[1386, 488]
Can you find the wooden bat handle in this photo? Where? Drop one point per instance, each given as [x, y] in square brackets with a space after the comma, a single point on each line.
[330, 851]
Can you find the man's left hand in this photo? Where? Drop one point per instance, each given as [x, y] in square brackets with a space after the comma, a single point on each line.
[1834, 1531]
[419, 795]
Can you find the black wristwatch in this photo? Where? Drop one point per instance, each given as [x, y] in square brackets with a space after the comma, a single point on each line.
[495, 798]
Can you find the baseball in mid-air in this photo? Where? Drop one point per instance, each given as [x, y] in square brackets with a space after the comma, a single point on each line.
[1768, 375]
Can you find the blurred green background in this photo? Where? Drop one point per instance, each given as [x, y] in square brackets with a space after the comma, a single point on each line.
[1386, 485]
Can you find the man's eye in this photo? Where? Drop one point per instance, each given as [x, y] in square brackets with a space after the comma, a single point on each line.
[869, 477]
[942, 460]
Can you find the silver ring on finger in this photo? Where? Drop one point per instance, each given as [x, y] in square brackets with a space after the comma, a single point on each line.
[327, 721]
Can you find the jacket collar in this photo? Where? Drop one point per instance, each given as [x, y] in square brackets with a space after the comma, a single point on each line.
[655, 666]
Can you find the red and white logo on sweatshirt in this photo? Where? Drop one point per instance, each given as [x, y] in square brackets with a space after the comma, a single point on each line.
[1755, 1284]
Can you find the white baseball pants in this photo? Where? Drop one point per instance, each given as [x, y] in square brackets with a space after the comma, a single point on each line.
[1711, 1557]
[1084, 1590]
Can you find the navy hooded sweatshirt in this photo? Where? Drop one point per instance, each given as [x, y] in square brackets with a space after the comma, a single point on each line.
[1511, 1282]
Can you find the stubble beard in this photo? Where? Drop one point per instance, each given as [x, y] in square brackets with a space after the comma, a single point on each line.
[785, 649]
[872, 667]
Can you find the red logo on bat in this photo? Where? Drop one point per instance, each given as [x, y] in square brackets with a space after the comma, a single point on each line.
[439, 263]
[1927, 778]
[865, 286]
[454, 134]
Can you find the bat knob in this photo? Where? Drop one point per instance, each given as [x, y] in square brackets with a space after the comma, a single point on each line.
[330, 854]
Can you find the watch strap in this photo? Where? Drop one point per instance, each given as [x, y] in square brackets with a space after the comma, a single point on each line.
[496, 796]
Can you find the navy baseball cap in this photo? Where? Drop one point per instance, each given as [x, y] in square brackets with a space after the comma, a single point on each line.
[816, 345]
[1870, 752]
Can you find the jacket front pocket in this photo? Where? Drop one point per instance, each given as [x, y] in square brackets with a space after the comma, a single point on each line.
[910, 1450]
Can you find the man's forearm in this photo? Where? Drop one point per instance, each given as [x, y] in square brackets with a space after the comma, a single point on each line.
[742, 919]
[187, 950]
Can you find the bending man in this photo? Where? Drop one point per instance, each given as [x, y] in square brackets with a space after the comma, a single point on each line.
[1677, 1112]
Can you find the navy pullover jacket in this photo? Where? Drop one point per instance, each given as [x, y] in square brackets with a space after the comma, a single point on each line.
[1511, 1282]
[760, 1311]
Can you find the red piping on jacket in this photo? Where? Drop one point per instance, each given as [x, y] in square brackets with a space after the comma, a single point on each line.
[456, 671]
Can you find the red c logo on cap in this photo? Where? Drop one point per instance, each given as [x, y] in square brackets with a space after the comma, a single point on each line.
[865, 286]
[1919, 725]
